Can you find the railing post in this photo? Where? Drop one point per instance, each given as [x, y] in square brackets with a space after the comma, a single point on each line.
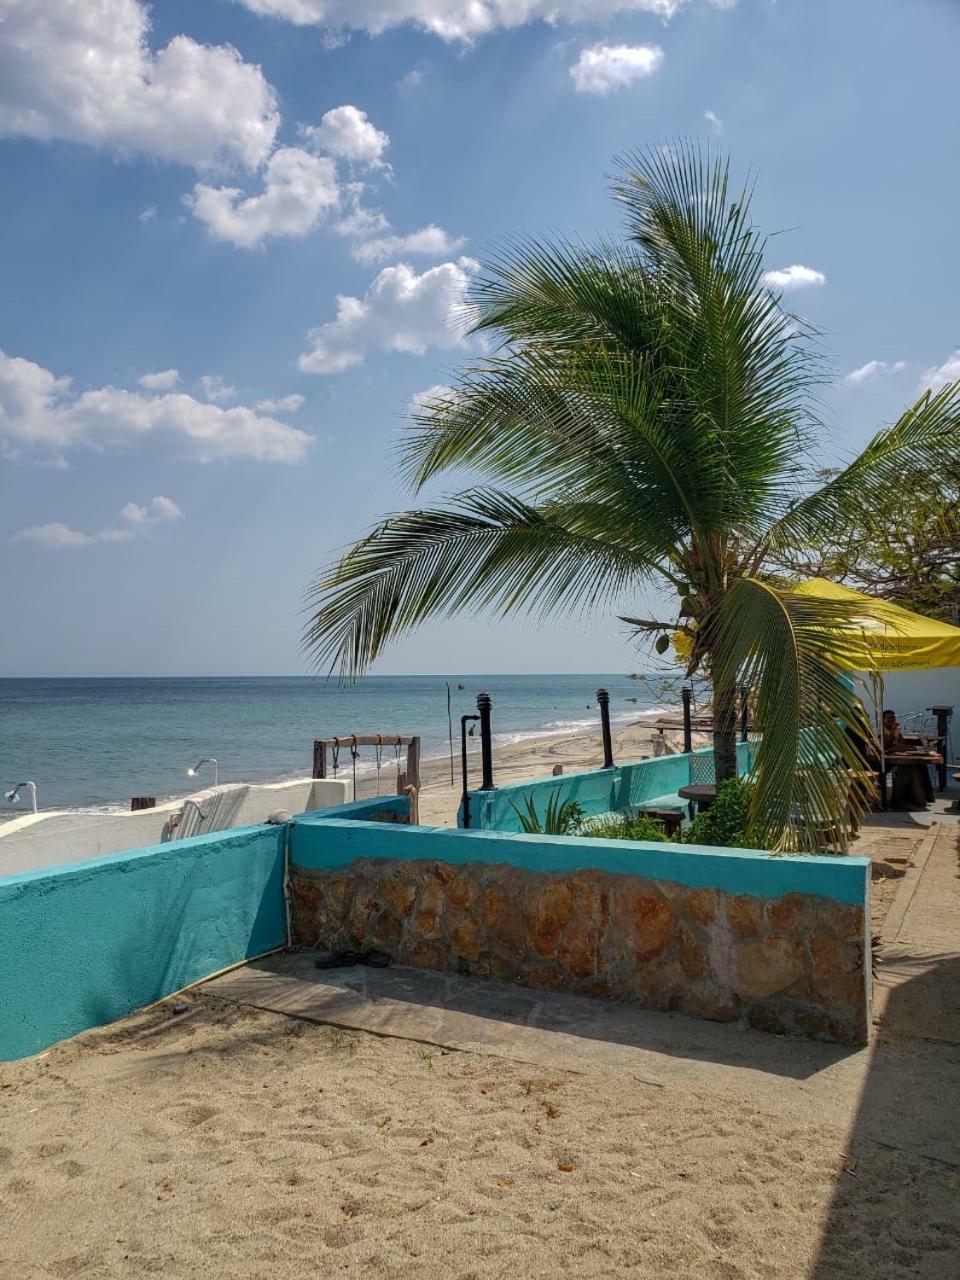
[486, 742]
[744, 713]
[603, 698]
[319, 758]
[686, 693]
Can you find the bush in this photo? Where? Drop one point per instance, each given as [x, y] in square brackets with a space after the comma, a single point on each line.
[642, 827]
[562, 817]
[727, 822]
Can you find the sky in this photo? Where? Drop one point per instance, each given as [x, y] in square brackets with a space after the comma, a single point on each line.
[236, 235]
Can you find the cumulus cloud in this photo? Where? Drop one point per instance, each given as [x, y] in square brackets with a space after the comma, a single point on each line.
[213, 388]
[347, 133]
[298, 189]
[41, 412]
[164, 380]
[938, 376]
[795, 277]
[84, 72]
[875, 369]
[429, 242]
[58, 536]
[286, 404]
[605, 67]
[455, 19]
[401, 311]
[431, 398]
[714, 121]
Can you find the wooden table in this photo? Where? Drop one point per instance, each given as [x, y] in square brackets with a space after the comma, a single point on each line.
[701, 794]
[906, 758]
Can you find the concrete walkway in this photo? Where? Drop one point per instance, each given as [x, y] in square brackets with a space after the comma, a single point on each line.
[890, 1093]
[921, 945]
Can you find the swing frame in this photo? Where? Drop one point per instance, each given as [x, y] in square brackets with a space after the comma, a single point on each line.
[408, 779]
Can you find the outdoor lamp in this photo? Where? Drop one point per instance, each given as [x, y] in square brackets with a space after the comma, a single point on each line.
[14, 795]
[192, 773]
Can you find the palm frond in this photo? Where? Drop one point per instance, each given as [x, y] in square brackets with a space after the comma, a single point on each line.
[794, 652]
[487, 551]
[925, 439]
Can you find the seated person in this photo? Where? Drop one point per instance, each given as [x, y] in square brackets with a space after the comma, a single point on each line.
[911, 781]
[893, 739]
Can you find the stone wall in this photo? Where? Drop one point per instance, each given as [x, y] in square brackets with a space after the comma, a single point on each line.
[793, 964]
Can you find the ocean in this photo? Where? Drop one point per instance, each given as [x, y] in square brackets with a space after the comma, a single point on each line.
[94, 743]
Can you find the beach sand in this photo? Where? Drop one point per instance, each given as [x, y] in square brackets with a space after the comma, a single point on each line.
[533, 757]
[238, 1144]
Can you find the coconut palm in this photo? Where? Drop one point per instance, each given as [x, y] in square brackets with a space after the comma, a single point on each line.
[645, 421]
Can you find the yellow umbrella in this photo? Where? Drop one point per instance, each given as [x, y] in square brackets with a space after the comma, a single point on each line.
[893, 639]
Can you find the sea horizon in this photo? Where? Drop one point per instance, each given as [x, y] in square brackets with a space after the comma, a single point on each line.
[91, 743]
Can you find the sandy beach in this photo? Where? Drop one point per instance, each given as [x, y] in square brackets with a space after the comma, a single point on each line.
[534, 757]
[237, 1143]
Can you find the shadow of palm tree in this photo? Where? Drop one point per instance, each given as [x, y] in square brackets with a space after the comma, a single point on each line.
[896, 1209]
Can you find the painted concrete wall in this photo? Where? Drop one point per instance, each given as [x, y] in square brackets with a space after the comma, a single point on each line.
[597, 791]
[56, 837]
[909, 692]
[87, 943]
[330, 841]
[777, 942]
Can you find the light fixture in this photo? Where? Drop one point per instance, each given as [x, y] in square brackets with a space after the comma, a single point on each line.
[192, 773]
[13, 795]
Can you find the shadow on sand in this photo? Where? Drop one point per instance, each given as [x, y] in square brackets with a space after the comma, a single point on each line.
[896, 1210]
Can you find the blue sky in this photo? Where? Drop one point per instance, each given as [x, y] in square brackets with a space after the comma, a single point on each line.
[191, 188]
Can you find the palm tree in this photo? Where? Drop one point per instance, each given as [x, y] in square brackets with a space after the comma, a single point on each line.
[645, 420]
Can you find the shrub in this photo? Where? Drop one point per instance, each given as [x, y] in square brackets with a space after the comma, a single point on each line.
[727, 822]
[642, 827]
[562, 817]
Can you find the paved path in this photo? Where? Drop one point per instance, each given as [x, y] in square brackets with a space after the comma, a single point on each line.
[921, 945]
[890, 1093]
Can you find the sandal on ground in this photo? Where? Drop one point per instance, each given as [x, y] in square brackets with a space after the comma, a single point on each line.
[337, 959]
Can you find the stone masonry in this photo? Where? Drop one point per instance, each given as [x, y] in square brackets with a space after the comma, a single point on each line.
[791, 965]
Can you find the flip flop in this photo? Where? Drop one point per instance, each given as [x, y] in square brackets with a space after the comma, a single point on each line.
[337, 959]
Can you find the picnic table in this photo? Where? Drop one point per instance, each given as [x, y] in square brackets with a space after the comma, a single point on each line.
[699, 794]
[911, 779]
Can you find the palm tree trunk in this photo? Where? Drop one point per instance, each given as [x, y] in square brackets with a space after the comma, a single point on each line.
[724, 729]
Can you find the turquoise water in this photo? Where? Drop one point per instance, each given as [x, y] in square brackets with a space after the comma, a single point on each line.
[95, 743]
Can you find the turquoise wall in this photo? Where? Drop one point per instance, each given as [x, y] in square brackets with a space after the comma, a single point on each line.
[334, 842]
[598, 791]
[86, 943]
[364, 810]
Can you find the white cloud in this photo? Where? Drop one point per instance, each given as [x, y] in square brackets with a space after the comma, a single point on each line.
[82, 70]
[939, 376]
[213, 388]
[604, 67]
[795, 277]
[456, 19]
[298, 189]
[347, 132]
[39, 411]
[875, 369]
[149, 214]
[714, 121]
[412, 80]
[359, 221]
[58, 536]
[431, 397]
[164, 380]
[429, 242]
[401, 311]
[286, 404]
